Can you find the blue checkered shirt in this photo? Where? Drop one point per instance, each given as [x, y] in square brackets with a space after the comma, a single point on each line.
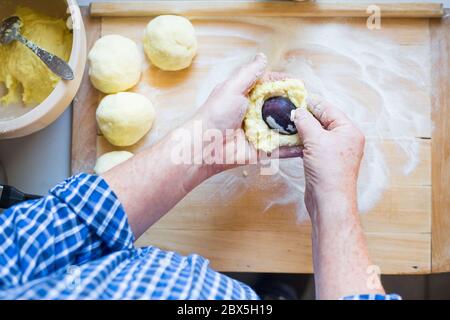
[76, 243]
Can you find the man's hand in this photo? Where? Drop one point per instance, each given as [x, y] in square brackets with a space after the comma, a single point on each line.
[228, 103]
[332, 151]
[225, 110]
[151, 182]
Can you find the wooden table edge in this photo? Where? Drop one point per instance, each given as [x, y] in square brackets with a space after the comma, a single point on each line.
[440, 48]
[84, 147]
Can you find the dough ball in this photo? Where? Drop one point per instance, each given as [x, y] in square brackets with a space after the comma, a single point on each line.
[115, 64]
[257, 130]
[170, 42]
[111, 159]
[124, 118]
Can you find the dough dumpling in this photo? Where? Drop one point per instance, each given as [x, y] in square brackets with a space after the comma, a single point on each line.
[124, 118]
[170, 42]
[115, 64]
[111, 159]
[256, 129]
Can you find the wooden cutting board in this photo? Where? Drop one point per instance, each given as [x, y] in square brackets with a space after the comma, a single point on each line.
[407, 231]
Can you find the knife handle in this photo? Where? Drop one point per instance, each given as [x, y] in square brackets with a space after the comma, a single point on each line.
[10, 196]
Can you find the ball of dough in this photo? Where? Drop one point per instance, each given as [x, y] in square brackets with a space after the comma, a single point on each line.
[111, 159]
[115, 64]
[170, 42]
[256, 129]
[124, 118]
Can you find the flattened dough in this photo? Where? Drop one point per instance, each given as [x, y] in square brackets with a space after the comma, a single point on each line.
[256, 130]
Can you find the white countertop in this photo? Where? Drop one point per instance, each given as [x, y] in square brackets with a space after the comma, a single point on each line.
[36, 163]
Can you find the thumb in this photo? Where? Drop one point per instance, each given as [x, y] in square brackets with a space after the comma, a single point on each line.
[244, 79]
[308, 127]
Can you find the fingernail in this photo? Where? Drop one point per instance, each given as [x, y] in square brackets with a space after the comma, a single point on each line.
[297, 113]
[315, 103]
[293, 115]
[262, 60]
[261, 56]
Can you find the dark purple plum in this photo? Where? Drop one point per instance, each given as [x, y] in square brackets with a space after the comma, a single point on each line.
[276, 113]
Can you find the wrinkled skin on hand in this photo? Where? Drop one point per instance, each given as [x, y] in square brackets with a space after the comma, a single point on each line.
[227, 105]
[333, 148]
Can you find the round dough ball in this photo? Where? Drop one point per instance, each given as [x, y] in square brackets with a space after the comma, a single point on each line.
[256, 129]
[111, 159]
[115, 64]
[170, 42]
[124, 118]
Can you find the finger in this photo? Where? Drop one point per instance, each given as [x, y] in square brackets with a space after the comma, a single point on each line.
[328, 115]
[290, 152]
[243, 107]
[246, 76]
[308, 127]
[281, 153]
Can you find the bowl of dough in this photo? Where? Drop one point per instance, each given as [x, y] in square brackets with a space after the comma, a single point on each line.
[31, 96]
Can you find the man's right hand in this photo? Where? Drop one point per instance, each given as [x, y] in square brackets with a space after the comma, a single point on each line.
[332, 151]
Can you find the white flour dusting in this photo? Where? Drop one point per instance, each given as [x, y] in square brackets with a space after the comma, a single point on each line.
[358, 70]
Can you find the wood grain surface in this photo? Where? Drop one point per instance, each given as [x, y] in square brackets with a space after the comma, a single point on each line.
[264, 9]
[440, 40]
[236, 235]
[84, 128]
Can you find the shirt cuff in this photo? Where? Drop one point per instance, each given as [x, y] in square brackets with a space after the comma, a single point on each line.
[373, 297]
[94, 202]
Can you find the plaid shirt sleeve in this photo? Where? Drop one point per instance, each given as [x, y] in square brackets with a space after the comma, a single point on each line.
[82, 223]
[373, 297]
[80, 229]
[79, 221]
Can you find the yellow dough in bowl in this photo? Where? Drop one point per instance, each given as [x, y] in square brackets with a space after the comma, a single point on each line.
[256, 129]
[24, 75]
